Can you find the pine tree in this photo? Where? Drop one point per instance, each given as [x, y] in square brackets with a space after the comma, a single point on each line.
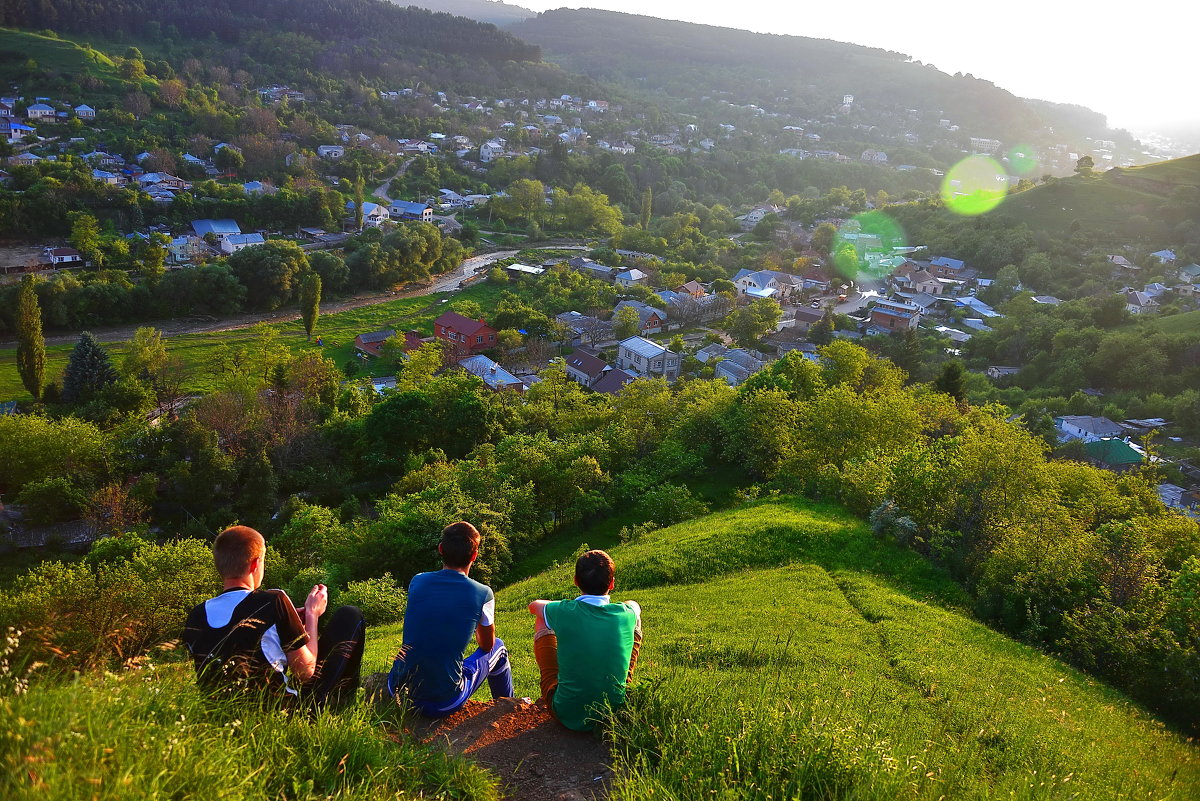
[31, 346]
[951, 381]
[358, 200]
[310, 301]
[647, 206]
[88, 370]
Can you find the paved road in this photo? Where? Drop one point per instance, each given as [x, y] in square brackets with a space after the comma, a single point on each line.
[381, 190]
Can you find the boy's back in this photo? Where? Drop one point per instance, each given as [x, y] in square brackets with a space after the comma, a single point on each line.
[595, 647]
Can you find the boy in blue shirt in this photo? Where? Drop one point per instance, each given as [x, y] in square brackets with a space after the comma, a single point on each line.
[445, 608]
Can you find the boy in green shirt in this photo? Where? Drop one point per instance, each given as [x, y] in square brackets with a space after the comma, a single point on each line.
[586, 648]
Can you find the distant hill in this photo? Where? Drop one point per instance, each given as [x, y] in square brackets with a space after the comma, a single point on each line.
[344, 36]
[1123, 203]
[493, 11]
[688, 60]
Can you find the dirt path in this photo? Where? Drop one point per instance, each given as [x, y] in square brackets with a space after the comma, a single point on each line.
[535, 757]
[381, 190]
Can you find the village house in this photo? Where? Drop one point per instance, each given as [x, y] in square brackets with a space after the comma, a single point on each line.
[612, 381]
[462, 334]
[650, 319]
[584, 327]
[585, 368]
[40, 112]
[85, 112]
[63, 257]
[1140, 303]
[371, 343]
[1086, 428]
[220, 229]
[888, 316]
[234, 242]
[331, 151]
[631, 277]
[647, 358]
[407, 210]
[374, 214]
[492, 374]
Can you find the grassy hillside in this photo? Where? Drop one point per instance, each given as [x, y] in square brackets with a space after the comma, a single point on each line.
[1119, 205]
[791, 654]
[50, 54]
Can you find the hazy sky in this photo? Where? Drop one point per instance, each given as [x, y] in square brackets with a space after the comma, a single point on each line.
[1131, 61]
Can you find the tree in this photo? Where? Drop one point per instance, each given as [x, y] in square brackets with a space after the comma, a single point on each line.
[85, 237]
[822, 238]
[626, 323]
[229, 160]
[358, 199]
[31, 346]
[1085, 166]
[153, 261]
[951, 381]
[751, 322]
[146, 356]
[335, 276]
[647, 207]
[137, 104]
[89, 369]
[269, 272]
[822, 332]
[310, 301]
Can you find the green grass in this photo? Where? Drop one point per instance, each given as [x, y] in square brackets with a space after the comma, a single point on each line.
[1186, 323]
[790, 654]
[148, 735]
[337, 331]
[56, 55]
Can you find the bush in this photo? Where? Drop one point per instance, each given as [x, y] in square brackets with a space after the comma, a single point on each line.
[381, 600]
[52, 500]
[668, 504]
[91, 615]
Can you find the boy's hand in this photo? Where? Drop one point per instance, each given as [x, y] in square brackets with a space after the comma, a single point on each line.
[317, 600]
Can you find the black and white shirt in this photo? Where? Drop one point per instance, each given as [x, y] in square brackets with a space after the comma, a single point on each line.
[241, 638]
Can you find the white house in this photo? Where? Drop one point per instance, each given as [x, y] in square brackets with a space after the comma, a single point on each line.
[1086, 428]
[407, 210]
[40, 111]
[62, 256]
[630, 278]
[374, 215]
[85, 112]
[331, 151]
[647, 358]
[235, 242]
[490, 151]
[1140, 303]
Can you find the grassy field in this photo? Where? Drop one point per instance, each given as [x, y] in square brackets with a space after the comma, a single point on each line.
[56, 55]
[790, 654]
[1186, 323]
[336, 330]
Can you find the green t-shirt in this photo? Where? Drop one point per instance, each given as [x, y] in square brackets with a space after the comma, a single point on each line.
[595, 643]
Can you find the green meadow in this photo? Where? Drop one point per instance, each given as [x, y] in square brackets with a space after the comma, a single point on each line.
[337, 331]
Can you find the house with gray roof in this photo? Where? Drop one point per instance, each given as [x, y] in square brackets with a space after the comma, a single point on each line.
[650, 319]
[1086, 428]
[492, 374]
[644, 357]
[612, 381]
[585, 367]
[221, 229]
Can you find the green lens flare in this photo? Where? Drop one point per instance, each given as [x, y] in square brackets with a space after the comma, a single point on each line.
[1022, 159]
[974, 186]
[867, 244]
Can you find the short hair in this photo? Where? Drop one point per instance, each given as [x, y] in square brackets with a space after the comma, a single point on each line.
[594, 572]
[460, 541]
[235, 548]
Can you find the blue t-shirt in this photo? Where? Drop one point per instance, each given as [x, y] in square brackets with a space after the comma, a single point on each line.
[444, 607]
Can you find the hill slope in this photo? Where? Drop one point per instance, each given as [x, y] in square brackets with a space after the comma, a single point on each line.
[688, 60]
[791, 654]
[1109, 206]
[492, 11]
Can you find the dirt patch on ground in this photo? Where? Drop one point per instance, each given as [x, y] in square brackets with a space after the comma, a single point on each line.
[536, 758]
[19, 255]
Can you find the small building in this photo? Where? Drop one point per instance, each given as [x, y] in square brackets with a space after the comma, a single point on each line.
[41, 112]
[1113, 454]
[63, 257]
[462, 334]
[1140, 303]
[331, 151]
[1086, 428]
[996, 372]
[407, 210]
[235, 242]
[612, 381]
[85, 112]
[631, 277]
[647, 358]
[518, 270]
[737, 365]
[492, 374]
[371, 344]
[889, 316]
[585, 367]
[650, 319]
[374, 215]
[221, 229]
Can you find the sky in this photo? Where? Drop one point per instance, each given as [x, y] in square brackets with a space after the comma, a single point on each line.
[1129, 61]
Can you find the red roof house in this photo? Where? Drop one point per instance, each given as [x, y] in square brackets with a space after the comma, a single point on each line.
[463, 334]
